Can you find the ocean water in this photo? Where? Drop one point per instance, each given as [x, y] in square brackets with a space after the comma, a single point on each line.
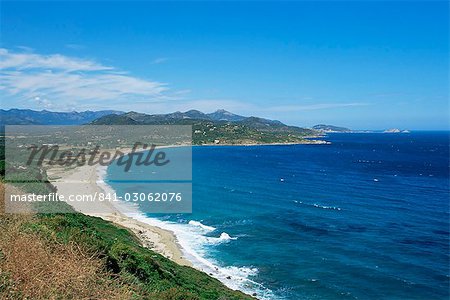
[366, 217]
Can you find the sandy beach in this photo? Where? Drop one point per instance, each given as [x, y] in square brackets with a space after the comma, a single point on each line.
[88, 180]
[85, 180]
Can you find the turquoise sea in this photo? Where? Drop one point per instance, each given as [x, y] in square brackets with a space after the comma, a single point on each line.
[366, 217]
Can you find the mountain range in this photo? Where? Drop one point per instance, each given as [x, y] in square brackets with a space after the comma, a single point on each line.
[219, 127]
[220, 115]
[45, 117]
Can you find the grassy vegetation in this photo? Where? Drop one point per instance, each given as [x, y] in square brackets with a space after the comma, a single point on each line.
[206, 132]
[74, 256]
[150, 273]
[32, 267]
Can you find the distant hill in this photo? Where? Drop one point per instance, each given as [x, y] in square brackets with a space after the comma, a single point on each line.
[215, 129]
[331, 128]
[45, 117]
[223, 115]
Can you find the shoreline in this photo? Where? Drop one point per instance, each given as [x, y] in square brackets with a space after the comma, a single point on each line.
[155, 238]
[308, 141]
[165, 238]
[314, 142]
[235, 278]
[168, 239]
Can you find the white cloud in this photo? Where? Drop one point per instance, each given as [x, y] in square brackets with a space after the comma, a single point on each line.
[59, 82]
[61, 79]
[43, 102]
[26, 60]
[75, 46]
[159, 60]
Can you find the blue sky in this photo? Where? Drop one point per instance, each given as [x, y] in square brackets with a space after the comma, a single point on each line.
[365, 65]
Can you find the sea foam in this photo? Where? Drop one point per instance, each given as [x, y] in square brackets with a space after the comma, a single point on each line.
[194, 240]
[194, 243]
[199, 224]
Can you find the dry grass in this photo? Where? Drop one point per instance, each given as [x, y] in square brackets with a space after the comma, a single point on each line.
[54, 257]
[32, 268]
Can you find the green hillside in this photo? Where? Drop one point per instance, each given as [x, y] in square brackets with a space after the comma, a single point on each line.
[124, 267]
[251, 130]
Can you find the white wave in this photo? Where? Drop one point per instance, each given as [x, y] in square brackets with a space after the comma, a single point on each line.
[199, 224]
[318, 205]
[192, 238]
[194, 244]
[224, 237]
[326, 207]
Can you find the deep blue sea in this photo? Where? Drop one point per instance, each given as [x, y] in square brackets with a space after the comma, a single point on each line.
[365, 217]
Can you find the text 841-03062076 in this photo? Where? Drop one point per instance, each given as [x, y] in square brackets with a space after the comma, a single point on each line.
[153, 197]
